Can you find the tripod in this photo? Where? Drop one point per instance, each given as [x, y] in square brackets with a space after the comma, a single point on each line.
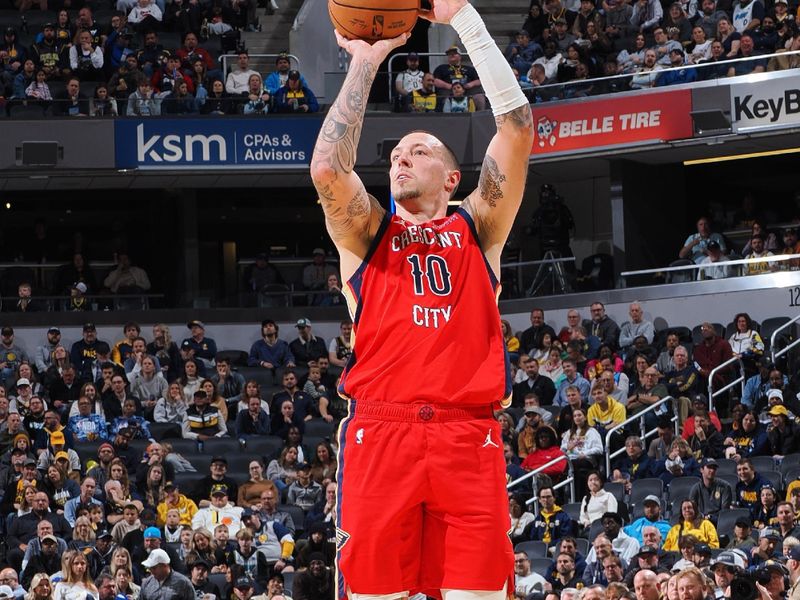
[550, 277]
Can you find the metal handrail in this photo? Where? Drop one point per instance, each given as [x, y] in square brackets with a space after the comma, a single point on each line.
[54, 265]
[223, 59]
[570, 479]
[727, 263]
[774, 337]
[390, 72]
[711, 393]
[645, 434]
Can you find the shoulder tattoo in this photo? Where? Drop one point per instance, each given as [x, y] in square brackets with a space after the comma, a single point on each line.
[519, 118]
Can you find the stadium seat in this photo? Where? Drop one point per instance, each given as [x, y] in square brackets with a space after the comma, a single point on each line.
[139, 446]
[87, 450]
[583, 545]
[775, 479]
[298, 516]
[237, 358]
[726, 466]
[162, 431]
[573, 509]
[789, 461]
[731, 478]
[645, 487]
[187, 482]
[267, 447]
[183, 446]
[540, 565]
[264, 378]
[790, 475]
[680, 487]
[595, 530]
[288, 582]
[310, 443]
[319, 428]
[727, 520]
[201, 462]
[763, 463]
[534, 549]
[222, 446]
[30, 111]
[220, 580]
[616, 489]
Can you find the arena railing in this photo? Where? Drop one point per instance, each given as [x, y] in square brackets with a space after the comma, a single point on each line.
[639, 416]
[727, 365]
[391, 73]
[96, 302]
[568, 481]
[776, 354]
[294, 62]
[778, 258]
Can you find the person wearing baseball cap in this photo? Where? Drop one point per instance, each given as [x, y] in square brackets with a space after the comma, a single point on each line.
[784, 434]
[315, 275]
[711, 495]
[728, 565]
[652, 517]
[793, 566]
[203, 348]
[769, 540]
[83, 353]
[306, 346]
[43, 357]
[219, 511]
[164, 581]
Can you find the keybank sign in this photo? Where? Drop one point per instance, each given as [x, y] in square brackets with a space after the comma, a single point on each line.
[269, 142]
[770, 103]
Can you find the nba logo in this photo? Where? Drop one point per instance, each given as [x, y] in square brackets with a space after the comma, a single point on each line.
[377, 26]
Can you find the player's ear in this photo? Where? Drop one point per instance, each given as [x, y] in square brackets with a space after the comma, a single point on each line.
[452, 181]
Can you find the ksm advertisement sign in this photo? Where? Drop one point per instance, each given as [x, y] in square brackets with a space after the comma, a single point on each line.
[614, 120]
[208, 143]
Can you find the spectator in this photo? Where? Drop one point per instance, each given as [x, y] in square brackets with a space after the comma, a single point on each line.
[143, 102]
[86, 59]
[203, 421]
[692, 523]
[531, 338]
[283, 470]
[253, 421]
[316, 582]
[597, 500]
[708, 17]
[48, 562]
[696, 244]
[101, 105]
[622, 544]
[220, 511]
[680, 76]
[646, 15]
[256, 100]
[152, 55]
[127, 278]
[163, 580]
[295, 96]
[783, 436]
[71, 102]
[747, 14]
[218, 101]
[406, 82]
[549, 62]
[563, 39]
[748, 486]
[521, 53]
[304, 491]
[603, 327]
[458, 101]
[584, 447]
[202, 348]
[757, 248]
[179, 101]
[49, 54]
[552, 523]
[190, 51]
[700, 47]
[23, 79]
[526, 582]
[538, 384]
[683, 382]
[146, 16]
[455, 70]
[677, 24]
[766, 514]
[636, 327]
[86, 426]
[604, 412]
[40, 91]
[572, 378]
[166, 79]
[217, 476]
[306, 347]
[745, 341]
[730, 39]
[236, 83]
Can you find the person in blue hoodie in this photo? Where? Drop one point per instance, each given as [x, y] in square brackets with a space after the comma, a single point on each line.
[748, 488]
[676, 75]
[295, 97]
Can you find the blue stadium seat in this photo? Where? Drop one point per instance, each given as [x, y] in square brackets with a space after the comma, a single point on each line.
[319, 428]
[222, 446]
[533, 548]
[680, 487]
[298, 516]
[268, 446]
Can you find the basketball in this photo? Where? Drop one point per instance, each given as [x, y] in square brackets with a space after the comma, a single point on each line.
[372, 20]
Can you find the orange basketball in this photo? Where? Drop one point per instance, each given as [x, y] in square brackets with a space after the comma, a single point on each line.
[373, 20]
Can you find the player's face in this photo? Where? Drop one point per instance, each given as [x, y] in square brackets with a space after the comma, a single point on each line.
[419, 170]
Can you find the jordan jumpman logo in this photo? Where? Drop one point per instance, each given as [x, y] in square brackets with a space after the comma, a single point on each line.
[489, 441]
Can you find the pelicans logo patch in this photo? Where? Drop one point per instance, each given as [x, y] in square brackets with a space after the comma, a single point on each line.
[342, 537]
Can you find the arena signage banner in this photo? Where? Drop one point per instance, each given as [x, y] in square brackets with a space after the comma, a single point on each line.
[610, 121]
[769, 103]
[256, 143]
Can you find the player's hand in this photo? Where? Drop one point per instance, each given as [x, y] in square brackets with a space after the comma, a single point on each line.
[375, 52]
[442, 10]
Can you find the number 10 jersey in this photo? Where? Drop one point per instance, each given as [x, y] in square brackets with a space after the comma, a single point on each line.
[426, 326]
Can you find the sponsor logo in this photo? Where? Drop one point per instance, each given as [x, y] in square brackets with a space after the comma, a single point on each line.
[180, 148]
[772, 108]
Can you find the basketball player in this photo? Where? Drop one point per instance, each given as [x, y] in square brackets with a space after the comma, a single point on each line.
[421, 501]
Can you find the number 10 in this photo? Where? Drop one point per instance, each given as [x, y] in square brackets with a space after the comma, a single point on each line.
[436, 272]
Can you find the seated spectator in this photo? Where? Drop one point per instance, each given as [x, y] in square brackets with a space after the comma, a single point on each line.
[127, 278]
[202, 347]
[700, 407]
[597, 500]
[652, 518]
[729, 37]
[458, 102]
[692, 523]
[143, 102]
[696, 244]
[677, 23]
[41, 566]
[237, 82]
[101, 105]
[758, 250]
[282, 471]
[622, 544]
[40, 91]
[295, 96]
[700, 47]
[552, 523]
[745, 341]
[766, 513]
[634, 464]
[71, 102]
[748, 486]
[203, 421]
[253, 421]
[547, 449]
[171, 407]
[316, 390]
[405, 83]
[679, 76]
[714, 256]
[783, 435]
[768, 540]
[166, 78]
[179, 101]
[218, 101]
[250, 491]
[304, 491]
[706, 440]
[146, 16]
[521, 53]
[129, 420]
[86, 59]
[152, 55]
[256, 100]
[748, 51]
[220, 511]
[584, 448]
[679, 462]
[425, 98]
[87, 426]
[604, 412]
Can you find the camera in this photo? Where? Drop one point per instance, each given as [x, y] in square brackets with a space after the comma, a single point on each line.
[743, 586]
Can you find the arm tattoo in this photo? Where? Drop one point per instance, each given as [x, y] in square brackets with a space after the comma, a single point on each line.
[519, 118]
[490, 180]
[344, 219]
[338, 140]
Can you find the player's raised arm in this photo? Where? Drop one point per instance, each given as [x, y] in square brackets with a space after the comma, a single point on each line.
[494, 204]
[351, 215]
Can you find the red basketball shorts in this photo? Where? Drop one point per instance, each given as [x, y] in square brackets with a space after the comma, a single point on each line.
[422, 504]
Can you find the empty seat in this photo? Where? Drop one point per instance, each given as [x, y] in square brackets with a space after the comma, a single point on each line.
[680, 487]
[87, 450]
[188, 482]
[726, 465]
[319, 428]
[573, 509]
[237, 358]
[163, 431]
[731, 478]
[641, 488]
[763, 463]
[201, 462]
[540, 565]
[267, 447]
[789, 461]
[222, 446]
[534, 549]
[183, 446]
[775, 479]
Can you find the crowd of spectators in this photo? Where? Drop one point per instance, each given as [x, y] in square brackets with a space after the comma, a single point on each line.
[109, 472]
[76, 66]
[714, 494]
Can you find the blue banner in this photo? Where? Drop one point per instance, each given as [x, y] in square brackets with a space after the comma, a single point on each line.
[256, 143]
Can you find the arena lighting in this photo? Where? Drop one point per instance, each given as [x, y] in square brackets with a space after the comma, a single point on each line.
[716, 159]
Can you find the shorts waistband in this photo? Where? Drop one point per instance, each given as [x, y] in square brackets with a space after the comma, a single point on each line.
[420, 413]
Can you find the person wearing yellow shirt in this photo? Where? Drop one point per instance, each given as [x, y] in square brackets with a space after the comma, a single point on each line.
[604, 411]
[692, 523]
[174, 499]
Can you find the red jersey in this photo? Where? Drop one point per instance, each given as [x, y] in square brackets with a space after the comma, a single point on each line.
[426, 326]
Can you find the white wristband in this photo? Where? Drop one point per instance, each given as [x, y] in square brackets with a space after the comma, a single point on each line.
[495, 73]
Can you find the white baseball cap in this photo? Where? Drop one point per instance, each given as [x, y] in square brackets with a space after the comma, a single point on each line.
[157, 557]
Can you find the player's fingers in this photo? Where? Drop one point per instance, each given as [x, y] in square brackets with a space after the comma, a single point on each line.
[341, 40]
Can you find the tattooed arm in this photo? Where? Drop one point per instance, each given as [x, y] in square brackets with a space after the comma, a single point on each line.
[351, 215]
[495, 203]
